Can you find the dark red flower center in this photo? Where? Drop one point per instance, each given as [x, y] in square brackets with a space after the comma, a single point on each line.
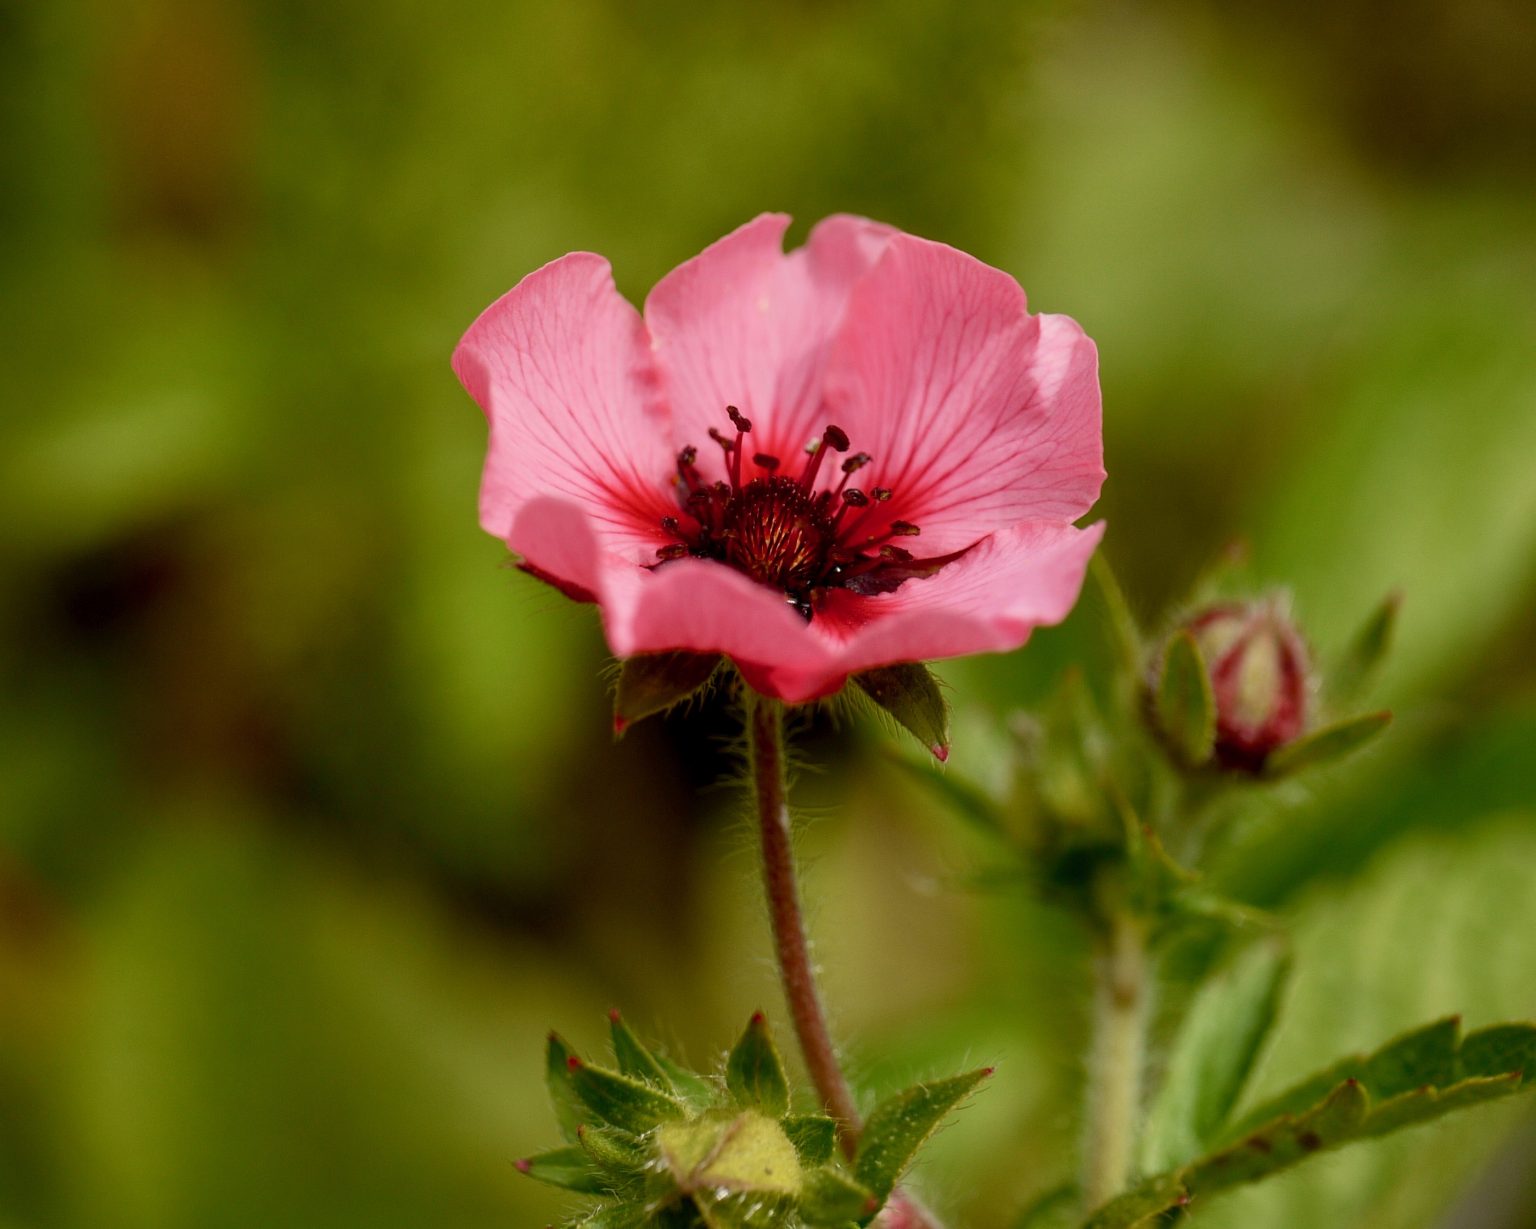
[785, 533]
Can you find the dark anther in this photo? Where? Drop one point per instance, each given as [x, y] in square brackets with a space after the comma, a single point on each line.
[905, 529]
[741, 423]
[836, 438]
[895, 554]
[675, 551]
[721, 438]
[688, 456]
[881, 494]
[765, 461]
[671, 524]
[855, 497]
[856, 462]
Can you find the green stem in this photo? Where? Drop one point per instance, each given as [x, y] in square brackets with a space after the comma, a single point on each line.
[765, 743]
[1122, 988]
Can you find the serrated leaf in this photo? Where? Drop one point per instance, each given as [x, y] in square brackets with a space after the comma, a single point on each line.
[911, 695]
[562, 1095]
[633, 1057]
[1217, 1044]
[967, 801]
[1412, 1079]
[814, 1137]
[1151, 1197]
[1358, 666]
[831, 1199]
[1184, 703]
[754, 1072]
[1497, 1050]
[654, 682]
[620, 1101]
[900, 1124]
[568, 1168]
[1323, 746]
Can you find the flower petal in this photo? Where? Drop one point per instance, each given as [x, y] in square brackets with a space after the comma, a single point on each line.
[988, 601]
[978, 415]
[561, 365]
[745, 324]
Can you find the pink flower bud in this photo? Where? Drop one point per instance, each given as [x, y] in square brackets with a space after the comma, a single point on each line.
[1259, 678]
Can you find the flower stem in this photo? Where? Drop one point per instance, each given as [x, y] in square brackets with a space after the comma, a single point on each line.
[1122, 989]
[765, 743]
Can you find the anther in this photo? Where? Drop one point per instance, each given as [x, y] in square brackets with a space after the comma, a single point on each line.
[905, 529]
[856, 462]
[765, 461]
[881, 494]
[895, 554]
[855, 497]
[675, 551]
[671, 524]
[738, 420]
[836, 437]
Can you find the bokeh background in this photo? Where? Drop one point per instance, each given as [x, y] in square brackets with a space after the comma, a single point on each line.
[310, 820]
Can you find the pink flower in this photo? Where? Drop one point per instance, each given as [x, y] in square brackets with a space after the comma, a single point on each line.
[858, 453]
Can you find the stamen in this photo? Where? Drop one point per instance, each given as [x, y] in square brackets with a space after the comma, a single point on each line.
[765, 461]
[742, 425]
[832, 437]
[881, 494]
[738, 420]
[675, 551]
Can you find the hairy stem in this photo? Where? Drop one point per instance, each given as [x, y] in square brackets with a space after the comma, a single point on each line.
[1122, 989]
[765, 742]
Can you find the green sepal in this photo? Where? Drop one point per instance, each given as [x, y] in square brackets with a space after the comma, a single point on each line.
[1358, 666]
[620, 1101]
[613, 1152]
[569, 1168]
[900, 1124]
[1184, 703]
[1322, 746]
[569, 1110]
[1151, 1197]
[634, 1059]
[1218, 1042]
[911, 695]
[616, 1216]
[754, 1072]
[695, 1091]
[1124, 635]
[813, 1135]
[748, 1153]
[654, 682]
[831, 1198]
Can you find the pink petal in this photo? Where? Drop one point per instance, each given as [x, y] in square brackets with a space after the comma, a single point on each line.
[978, 414]
[561, 365]
[744, 324]
[988, 601]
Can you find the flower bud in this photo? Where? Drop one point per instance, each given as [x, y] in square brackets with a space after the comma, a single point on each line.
[1258, 669]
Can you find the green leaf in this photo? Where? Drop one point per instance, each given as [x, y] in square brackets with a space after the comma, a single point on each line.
[1412, 1079]
[619, 1100]
[1184, 703]
[900, 1124]
[830, 1198]
[569, 1168]
[633, 1057]
[911, 695]
[754, 1072]
[1498, 1049]
[562, 1094]
[1322, 746]
[1358, 666]
[813, 1135]
[654, 682]
[1217, 1045]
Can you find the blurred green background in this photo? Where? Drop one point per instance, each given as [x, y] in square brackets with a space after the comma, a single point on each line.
[310, 821]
